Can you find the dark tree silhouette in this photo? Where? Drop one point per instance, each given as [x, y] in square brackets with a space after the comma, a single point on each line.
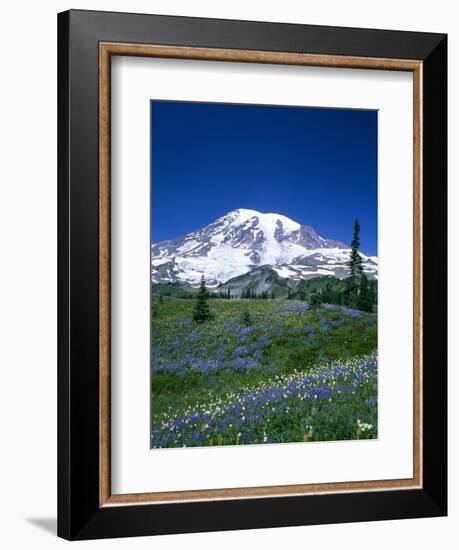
[355, 263]
[355, 267]
[365, 299]
[315, 299]
[246, 319]
[201, 311]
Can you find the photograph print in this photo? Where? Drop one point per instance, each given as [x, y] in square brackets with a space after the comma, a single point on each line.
[264, 274]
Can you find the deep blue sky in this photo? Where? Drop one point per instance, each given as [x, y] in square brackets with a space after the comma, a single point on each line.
[316, 166]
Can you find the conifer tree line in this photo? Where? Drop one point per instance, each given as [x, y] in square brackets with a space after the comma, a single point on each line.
[246, 293]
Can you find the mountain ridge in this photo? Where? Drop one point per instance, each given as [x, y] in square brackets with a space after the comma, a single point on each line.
[243, 240]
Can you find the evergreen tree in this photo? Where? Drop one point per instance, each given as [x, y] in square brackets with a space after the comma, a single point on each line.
[327, 294]
[247, 294]
[355, 262]
[246, 319]
[201, 311]
[338, 298]
[374, 291]
[315, 299]
[355, 267]
[364, 300]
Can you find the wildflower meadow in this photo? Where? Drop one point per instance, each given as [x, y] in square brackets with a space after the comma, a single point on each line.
[261, 371]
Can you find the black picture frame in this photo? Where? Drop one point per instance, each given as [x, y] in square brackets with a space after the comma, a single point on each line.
[80, 515]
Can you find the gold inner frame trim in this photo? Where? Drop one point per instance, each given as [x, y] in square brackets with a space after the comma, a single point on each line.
[106, 51]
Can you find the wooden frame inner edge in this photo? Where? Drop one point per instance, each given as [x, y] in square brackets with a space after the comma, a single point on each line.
[106, 50]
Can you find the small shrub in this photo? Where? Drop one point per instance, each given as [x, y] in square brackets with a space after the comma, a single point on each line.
[280, 340]
[301, 359]
[246, 319]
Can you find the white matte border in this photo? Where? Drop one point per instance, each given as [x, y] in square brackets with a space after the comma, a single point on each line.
[136, 468]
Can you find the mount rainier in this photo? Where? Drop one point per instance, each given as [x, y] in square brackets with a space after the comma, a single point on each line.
[244, 240]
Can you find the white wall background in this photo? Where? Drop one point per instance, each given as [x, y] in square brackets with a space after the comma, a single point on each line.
[28, 270]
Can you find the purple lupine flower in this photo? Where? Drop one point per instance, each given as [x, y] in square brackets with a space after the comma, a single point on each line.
[241, 350]
[298, 307]
[247, 331]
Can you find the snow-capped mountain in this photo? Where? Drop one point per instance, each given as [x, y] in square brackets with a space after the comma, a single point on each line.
[243, 240]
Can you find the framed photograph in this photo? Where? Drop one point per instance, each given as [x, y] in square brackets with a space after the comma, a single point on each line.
[252, 274]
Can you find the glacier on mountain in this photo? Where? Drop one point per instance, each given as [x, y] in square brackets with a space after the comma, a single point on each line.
[243, 240]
